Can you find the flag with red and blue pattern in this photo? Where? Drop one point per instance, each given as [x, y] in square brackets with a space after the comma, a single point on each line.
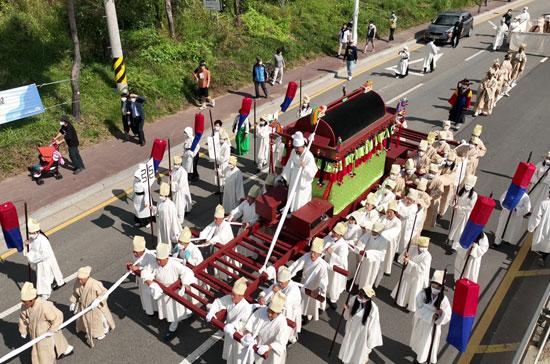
[519, 185]
[157, 153]
[477, 220]
[10, 226]
[290, 94]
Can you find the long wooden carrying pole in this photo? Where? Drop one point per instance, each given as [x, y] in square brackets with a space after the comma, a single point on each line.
[254, 134]
[29, 271]
[150, 204]
[442, 293]
[216, 172]
[456, 196]
[405, 264]
[169, 167]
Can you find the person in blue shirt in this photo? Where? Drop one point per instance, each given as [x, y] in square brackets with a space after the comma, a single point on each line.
[259, 76]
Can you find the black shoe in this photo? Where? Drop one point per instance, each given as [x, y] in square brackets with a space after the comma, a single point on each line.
[77, 171]
[451, 252]
[217, 193]
[65, 355]
[395, 257]
[305, 320]
[386, 274]
[170, 335]
[55, 287]
[333, 305]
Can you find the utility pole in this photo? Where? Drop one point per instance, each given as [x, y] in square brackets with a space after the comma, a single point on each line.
[355, 20]
[116, 48]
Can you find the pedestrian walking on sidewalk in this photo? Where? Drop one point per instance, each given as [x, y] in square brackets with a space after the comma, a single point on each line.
[371, 33]
[67, 134]
[457, 31]
[393, 25]
[138, 116]
[343, 38]
[259, 76]
[350, 57]
[279, 63]
[202, 77]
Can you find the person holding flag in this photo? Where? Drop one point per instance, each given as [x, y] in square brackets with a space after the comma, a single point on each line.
[241, 129]
[168, 227]
[541, 189]
[463, 204]
[142, 213]
[539, 225]
[475, 253]
[515, 223]
[180, 189]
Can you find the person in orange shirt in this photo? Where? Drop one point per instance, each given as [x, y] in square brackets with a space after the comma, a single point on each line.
[202, 76]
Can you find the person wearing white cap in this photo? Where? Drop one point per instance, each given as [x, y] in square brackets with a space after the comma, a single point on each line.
[142, 211]
[368, 213]
[38, 317]
[180, 189]
[416, 276]
[395, 175]
[263, 134]
[300, 165]
[188, 151]
[218, 231]
[476, 251]
[166, 271]
[375, 246]
[477, 150]
[524, 20]
[168, 226]
[432, 308]
[305, 108]
[42, 260]
[336, 253]
[246, 211]
[422, 159]
[435, 190]
[516, 225]
[385, 194]
[354, 224]
[144, 258]
[424, 201]
[293, 303]
[445, 133]
[539, 225]
[89, 292]
[392, 230]
[449, 177]
[314, 278]
[222, 157]
[542, 173]
[407, 210]
[363, 331]
[186, 250]
[463, 204]
[402, 69]
[238, 310]
[233, 190]
[267, 328]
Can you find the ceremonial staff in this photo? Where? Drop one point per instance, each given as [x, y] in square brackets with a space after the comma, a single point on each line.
[456, 197]
[169, 167]
[216, 172]
[29, 273]
[404, 262]
[150, 204]
[437, 305]
[254, 135]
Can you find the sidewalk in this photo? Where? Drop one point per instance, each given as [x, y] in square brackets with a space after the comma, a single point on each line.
[111, 164]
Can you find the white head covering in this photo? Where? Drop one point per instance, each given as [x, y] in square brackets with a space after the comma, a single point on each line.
[239, 287]
[28, 292]
[33, 226]
[298, 139]
[163, 251]
[283, 275]
[278, 302]
[138, 243]
[188, 131]
[438, 277]
[84, 272]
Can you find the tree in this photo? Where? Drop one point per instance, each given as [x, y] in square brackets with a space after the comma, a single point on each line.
[170, 17]
[75, 72]
[238, 12]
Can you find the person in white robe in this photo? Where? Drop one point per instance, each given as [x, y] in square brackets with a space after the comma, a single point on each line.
[237, 312]
[42, 260]
[145, 259]
[369, 212]
[189, 153]
[476, 252]
[222, 157]
[300, 166]
[539, 225]
[180, 189]
[168, 226]
[353, 233]
[336, 254]
[542, 174]
[233, 190]
[385, 194]
[186, 250]
[402, 69]
[463, 204]
[246, 211]
[314, 279]
[416, 276]
[501, 31]
[375, 246]
[268, 330]
[516, 226]
[363, 332]
[293, 303]
[524, 20]
[391, 233]
[142, 209]
[430, 53]
[213, 141]
[432, 308]
[217, 232]
[407, 210]
[263, 135]
[305, 108]
[166, 271]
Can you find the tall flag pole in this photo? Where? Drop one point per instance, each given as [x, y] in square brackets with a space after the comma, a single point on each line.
[10, 226]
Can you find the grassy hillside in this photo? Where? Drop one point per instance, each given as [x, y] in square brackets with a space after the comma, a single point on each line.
[36, 47]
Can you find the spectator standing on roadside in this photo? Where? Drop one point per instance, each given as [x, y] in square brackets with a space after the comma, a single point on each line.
[279, 63]
[202, 76]
[457, 31]
[350, 57]
[259, 75]
[343, 38]
[138, 116]
[393, 25]
[508, 17]
[126, 115]
[371, 33]
[67, 134]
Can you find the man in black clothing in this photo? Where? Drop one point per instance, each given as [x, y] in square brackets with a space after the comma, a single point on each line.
[67, 134]
[508, 17]
[457, 31]
[138, 116]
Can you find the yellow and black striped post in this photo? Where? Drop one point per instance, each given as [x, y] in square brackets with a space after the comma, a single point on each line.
[120, 72]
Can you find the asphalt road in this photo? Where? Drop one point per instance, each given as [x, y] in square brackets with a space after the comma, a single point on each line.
[103, 238]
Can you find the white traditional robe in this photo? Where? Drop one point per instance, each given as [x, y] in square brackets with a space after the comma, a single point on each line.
[181, 193]
[391, 233]
[262, 139]
[352, 235]
[407, 215]
[237, 315]
[293, 304]
[223, 160]
[540, 193]
[191, 254]
[375, 253]
[476, 251]
[222, 234]
[501, 31]
[416, 277]
[462, 209]
[516, 225]
[141, 199]
[383, 196]
[339, 257]
[274, 333]
[188, 153]
[360, 339]
[293, 170]
[249, 216]
[430, 53]
[403, 64]
[539, 225]
[147, 262]
[421, 336]
[213, 144]
[168, 227]
[314, 276]
[233, 191]
[43, 262]
[523, 19]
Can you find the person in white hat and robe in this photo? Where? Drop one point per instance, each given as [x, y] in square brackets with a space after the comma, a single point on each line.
[375, 246]
[222, 157]
[422, 159]
[300, 166]
[144, 258]
[263, 136]
[233, 190]
[435, 190]
[542, 173]
[246, 211]
[336, 254]
[166, 271]
[539, 225]
[449, 176]
[305, 108]
[39, 316]
[141, 203]
[424, 201]
[432, 307]
[238, 310]
[189, 152]
[463, 204]
[524, 20]
[89, 292]
[395, 175]
[218, 231]
[392, 231]
[293, 303]
[363, 332]
[516, 226]
[416, 263]
[476, 251]
[168, 226]
[42, 260]
[369, 211]
[180, 189]
[186, 250]
[407, 210]
[314, 278]
[409, 173]
[353, 233]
